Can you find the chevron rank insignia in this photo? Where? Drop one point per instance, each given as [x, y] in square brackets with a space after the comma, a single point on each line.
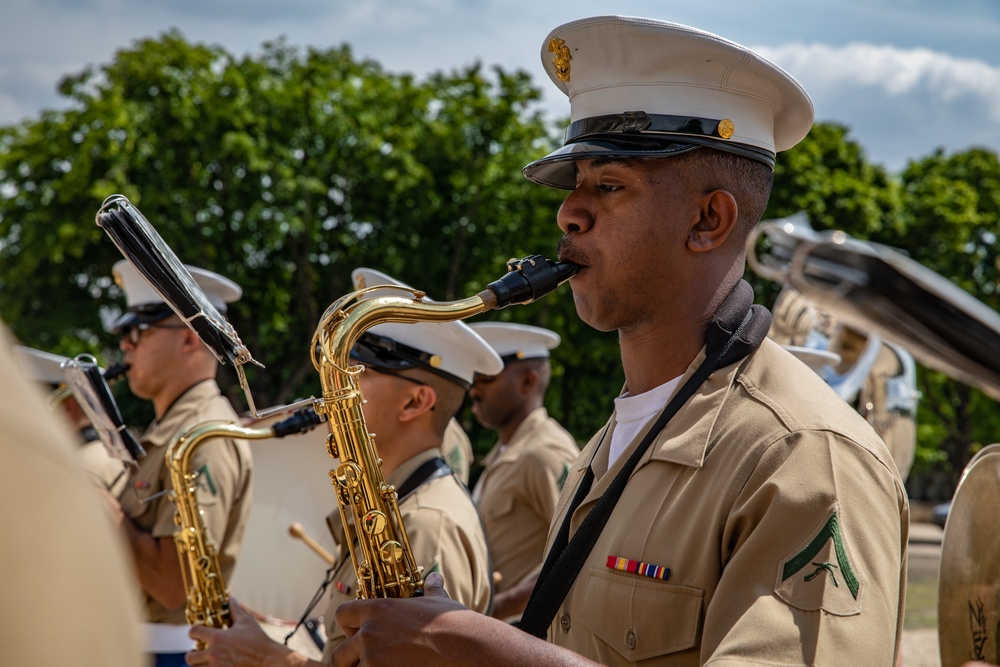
[205, 482]
[819, 574]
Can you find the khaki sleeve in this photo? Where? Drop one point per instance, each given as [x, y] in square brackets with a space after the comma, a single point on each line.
[443, 545]
[219, 484]
[814, 559]
[545, 471]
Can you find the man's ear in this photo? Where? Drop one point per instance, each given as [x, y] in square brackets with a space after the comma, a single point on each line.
[528, 381]
[719, 214]
[191, 340]
[420, 399]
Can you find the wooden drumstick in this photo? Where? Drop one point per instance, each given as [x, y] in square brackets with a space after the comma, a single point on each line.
[296, 530]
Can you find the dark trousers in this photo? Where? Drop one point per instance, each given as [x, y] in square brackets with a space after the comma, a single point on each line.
[169, 660]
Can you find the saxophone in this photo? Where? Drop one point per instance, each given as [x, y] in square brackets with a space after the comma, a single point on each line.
[369, 509]
[207, 598]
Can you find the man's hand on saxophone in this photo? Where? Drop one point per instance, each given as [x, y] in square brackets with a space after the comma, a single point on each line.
[243, 644]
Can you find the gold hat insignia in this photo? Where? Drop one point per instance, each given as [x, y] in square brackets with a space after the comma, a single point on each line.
[434, 361]
[561, 59]
[726, 128]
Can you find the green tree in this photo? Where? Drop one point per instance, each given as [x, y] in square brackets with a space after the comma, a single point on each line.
[952, 217]
[284, 170]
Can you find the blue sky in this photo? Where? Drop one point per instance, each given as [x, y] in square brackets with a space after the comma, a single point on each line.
[906, 76]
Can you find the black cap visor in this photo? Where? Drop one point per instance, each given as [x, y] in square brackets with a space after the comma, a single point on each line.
[144, 314]
[385, 354]
[558, 168]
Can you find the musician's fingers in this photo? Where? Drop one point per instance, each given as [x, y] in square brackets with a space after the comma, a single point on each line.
[434, 586]
[196, 658]
[238, 613]
[349, 616]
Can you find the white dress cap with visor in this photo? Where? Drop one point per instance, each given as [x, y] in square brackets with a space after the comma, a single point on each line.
[451, 350]
[646, 88]
[146, 305]
[514, 341]
[43, 367]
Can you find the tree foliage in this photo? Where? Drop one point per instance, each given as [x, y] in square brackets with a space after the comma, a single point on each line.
[283, 170]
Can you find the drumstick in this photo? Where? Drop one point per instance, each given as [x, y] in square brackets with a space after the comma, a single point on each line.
[296, 530]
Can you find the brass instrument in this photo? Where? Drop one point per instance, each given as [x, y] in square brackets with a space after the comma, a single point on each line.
[373, 528]
[207, 598]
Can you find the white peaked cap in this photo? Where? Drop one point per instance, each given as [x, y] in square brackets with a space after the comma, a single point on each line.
[645, 88]
[40, 366]
[517, 341]
[451, 348]
[138, 292]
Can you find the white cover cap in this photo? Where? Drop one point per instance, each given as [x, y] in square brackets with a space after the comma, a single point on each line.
[146, 305]
[517, 341]
[642, 87]
[450, 349]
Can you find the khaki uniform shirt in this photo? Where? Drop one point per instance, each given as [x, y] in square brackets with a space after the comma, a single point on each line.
[67, 597]
[445, 534]
[104, 469]
[518, 491]
[457, 450]
[780, 516]
[224, 483]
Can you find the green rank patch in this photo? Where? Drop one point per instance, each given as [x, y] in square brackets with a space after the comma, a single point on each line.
[820, 574]
[562, 478]
[205, 481]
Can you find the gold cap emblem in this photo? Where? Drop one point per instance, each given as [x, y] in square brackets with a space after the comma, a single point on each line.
[726, 128]
[118, 279]
[561, 59]
[359, 282]
[434, 361]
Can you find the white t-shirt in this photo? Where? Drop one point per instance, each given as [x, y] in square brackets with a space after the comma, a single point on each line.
[634, 412]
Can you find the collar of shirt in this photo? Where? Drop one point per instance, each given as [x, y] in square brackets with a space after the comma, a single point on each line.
[511, 451]
[179, 414]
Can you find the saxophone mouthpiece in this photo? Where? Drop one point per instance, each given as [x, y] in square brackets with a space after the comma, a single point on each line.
[115, 371]
[530, 279]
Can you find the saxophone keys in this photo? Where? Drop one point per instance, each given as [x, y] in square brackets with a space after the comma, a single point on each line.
[391, 552]
[374, 523]
[347, 475]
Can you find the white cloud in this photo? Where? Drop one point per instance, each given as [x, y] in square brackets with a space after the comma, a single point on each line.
[899, 103]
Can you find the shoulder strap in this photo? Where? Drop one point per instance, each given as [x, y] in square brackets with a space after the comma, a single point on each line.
[726, 344]
[428, 470]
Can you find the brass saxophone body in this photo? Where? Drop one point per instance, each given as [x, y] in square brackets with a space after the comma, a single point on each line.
[207, 597]
[369, 509]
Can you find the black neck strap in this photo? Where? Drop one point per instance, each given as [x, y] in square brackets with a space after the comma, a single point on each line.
[428, 470]
[737, 329]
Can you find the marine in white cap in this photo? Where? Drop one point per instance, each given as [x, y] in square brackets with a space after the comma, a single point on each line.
[171, 367]
[415, 379]
[456, 448]
[523, 474]
[733, 510]
[47, 369]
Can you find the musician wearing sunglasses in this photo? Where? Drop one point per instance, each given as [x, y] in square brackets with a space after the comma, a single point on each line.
[415, 379]
[171, 367]
[733, 510]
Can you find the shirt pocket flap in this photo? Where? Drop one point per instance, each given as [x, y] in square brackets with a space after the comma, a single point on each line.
[499, 506]
[640, 617]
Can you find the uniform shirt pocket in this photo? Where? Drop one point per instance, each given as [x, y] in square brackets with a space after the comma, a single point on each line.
[640, 617]
[498, 507]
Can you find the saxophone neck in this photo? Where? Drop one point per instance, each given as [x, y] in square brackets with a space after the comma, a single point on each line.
[343, 323]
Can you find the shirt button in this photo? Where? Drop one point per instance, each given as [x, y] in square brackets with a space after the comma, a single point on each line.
[630, 639]
[564, 622]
